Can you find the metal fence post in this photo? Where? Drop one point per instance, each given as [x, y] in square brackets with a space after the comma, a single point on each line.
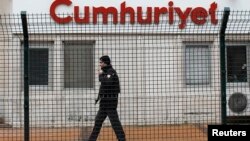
[223, 65]
[26, 75]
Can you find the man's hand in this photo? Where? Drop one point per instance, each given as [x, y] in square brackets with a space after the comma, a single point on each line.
[100, 71]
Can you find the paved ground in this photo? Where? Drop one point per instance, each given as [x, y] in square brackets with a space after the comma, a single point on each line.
[141, 133]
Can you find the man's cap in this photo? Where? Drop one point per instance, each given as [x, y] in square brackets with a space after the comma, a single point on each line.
[105, 59]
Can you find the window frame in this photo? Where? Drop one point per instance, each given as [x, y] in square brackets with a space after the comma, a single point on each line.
[93, 43]
[236, 84]
[208, 45]
[50, 63]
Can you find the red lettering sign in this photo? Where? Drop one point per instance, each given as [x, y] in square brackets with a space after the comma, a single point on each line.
[53, 14]
[198, 15]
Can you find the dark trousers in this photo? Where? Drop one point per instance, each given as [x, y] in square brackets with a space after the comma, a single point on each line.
[107, 108]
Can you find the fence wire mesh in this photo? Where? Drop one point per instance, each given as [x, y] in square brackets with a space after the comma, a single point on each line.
[169, 78]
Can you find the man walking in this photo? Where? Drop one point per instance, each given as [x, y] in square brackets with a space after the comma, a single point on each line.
[108, 97]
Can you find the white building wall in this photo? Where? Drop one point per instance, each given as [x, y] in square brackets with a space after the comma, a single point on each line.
[1, 75]
[5, 8]
[152, 81]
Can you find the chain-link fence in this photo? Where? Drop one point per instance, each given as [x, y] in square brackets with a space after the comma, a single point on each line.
[173, 82]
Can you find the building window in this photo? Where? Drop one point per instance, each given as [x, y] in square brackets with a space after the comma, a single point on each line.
[236, 64]
[40, 63]
[78, 64]
[197, 64]
[39, 66]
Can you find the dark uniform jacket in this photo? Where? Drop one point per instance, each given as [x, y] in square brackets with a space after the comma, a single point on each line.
[110, 85]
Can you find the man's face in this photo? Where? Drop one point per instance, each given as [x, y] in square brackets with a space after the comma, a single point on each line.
[102, 64]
